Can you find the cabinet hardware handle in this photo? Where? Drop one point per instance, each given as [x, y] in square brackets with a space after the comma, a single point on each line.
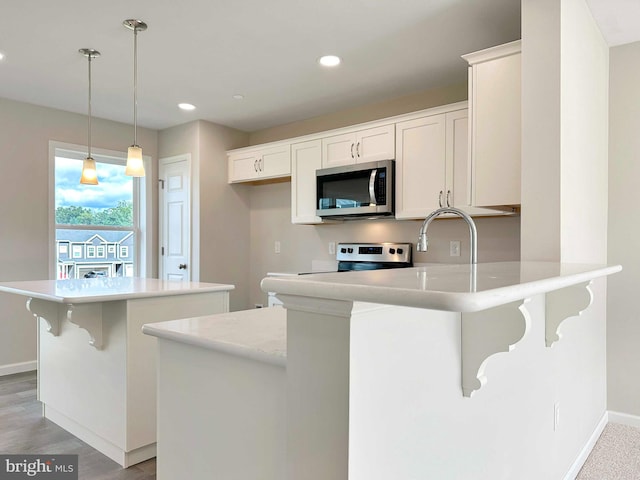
[352, 156]
[260, 163]
[182, 266]
[448, 196]
[358, 150]
[440, 198]
[255, 165]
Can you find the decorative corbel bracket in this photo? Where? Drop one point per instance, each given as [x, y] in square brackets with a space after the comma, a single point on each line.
[486, 333]
[52, 313]
[562, 304]
[88, 316]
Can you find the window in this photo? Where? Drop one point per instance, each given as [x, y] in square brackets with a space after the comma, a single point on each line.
[107, 213]
[124, 251]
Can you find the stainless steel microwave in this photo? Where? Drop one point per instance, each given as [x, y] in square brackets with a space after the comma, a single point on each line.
[359, 190]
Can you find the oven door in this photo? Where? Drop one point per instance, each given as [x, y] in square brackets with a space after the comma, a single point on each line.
[360, 190]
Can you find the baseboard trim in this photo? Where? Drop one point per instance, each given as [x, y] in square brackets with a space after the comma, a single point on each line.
[18, 368]
[586, 450]
[624, 419]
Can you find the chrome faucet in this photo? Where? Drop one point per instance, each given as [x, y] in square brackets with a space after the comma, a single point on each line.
[423, 241]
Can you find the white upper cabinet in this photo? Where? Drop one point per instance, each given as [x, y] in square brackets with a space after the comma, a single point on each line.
[494, 109]
[306, 158]
[368, 145]
[432, 164]
[420, 166]
[249, 165]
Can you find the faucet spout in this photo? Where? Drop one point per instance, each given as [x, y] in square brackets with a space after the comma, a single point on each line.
[423, 241]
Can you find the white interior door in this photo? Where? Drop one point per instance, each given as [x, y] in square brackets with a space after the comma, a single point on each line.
[175, 218]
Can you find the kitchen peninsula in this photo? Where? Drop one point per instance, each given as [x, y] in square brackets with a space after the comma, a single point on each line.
[489, 371]
[96, 370]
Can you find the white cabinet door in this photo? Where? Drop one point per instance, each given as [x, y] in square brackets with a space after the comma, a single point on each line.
[259, 164]
[458, 191]
[375, 144]
[338, 150]
[275, 162]
[243, 166]
[420, 166]
[494, 92]
[306, 158]
[369, 145]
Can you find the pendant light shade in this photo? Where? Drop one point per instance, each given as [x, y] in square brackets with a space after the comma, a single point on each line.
[135, 164]
[89, 173]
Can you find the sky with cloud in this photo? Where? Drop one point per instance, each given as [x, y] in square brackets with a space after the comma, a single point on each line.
[113, 185]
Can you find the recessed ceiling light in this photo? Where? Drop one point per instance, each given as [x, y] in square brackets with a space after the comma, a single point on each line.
[329, 61]
[237, 96]
[1, 55]
[186, 106]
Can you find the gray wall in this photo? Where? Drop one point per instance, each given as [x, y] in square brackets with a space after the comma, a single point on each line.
[499, 237]
[623, 319]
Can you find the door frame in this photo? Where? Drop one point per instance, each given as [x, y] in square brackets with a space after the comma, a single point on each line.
[193, 257]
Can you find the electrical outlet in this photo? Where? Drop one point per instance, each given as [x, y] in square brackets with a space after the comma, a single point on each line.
[556, 416]
[454, 248]
[276, 247]
[332, 248]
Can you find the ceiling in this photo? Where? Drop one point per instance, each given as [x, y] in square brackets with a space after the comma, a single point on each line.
[205, 51]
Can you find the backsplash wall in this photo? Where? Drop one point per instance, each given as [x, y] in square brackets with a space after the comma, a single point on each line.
[498, 237]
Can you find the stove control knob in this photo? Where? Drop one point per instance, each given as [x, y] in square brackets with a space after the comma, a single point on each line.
[350, 250]
[343, 250]
[400, 251]
[392, 251]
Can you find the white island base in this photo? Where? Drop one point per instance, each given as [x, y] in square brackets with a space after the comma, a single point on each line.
[96, 370]
[494, 373]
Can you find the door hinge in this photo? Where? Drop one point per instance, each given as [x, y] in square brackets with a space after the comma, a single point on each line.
[162, 251]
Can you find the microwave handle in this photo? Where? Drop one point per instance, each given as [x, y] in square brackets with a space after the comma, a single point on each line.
[372, 187]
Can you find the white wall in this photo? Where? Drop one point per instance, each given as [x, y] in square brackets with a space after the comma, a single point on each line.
[24, 156]
[564, 133]
[623, 320]
[564, 181]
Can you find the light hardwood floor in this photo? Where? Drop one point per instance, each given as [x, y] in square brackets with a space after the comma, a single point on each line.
[23, 430]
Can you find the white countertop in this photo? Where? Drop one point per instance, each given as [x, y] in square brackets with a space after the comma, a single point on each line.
[260, 334]
[88, 290]
[441, 286]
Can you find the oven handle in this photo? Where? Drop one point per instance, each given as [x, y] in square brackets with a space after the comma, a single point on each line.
[372, 188]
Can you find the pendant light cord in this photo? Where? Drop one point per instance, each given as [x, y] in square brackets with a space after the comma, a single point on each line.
[89, 134]
[135, 86]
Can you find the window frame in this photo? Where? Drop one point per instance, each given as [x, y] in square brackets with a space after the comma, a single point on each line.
[142, 204]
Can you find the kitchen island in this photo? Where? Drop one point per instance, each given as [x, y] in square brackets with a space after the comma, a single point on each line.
[489, 371]
[96, 370]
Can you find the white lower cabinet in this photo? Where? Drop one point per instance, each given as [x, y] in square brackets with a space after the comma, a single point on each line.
[259, 164]
[306, 158]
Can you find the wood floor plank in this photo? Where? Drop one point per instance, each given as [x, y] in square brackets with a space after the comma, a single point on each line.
[23, 430]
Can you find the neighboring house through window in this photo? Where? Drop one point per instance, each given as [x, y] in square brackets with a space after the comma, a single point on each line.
[100, 224]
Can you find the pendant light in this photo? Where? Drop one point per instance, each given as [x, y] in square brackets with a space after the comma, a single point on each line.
[89, 174]
[135, 164]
